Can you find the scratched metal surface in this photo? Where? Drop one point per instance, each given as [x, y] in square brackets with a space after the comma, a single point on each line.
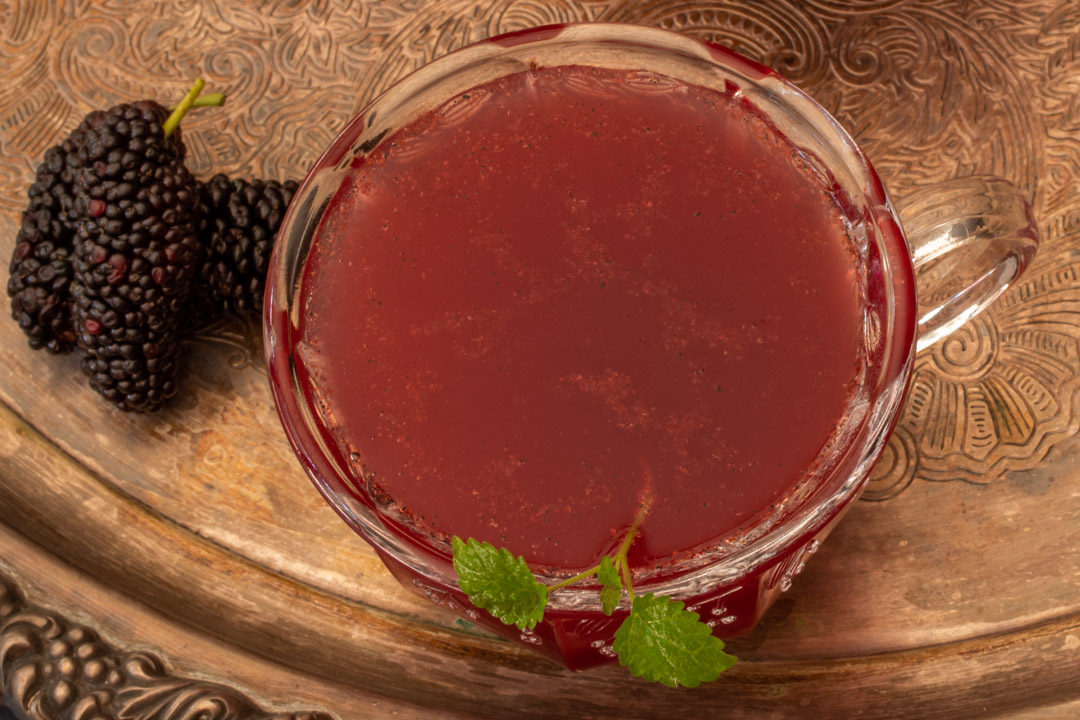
[188, 557]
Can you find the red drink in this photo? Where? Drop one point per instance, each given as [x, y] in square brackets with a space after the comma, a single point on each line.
[574, 291]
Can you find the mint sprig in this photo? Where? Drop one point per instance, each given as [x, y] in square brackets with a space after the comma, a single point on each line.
[660, 640]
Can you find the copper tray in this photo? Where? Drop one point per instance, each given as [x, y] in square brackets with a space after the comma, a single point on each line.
[181, 563]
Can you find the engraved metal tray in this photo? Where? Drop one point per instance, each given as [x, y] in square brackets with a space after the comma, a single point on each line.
[169, 565]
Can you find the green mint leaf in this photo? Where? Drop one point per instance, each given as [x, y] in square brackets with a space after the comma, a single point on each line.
[497, 581]
[611, 585]
[661, 641]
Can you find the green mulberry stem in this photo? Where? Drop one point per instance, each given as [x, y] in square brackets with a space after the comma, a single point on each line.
[191, 100]
[208, 100]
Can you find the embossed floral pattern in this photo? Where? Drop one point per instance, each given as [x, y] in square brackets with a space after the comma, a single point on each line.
[55, 669]
[1000, 392]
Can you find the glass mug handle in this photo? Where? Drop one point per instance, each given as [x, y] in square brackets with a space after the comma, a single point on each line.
[969, 238]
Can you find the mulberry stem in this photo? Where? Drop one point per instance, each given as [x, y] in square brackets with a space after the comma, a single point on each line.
[191, 100]
[208, 100]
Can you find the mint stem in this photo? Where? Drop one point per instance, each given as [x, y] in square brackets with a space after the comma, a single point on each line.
[628, 582]
[620, 562]
[576, 579]
[624, 550]
[181, 109]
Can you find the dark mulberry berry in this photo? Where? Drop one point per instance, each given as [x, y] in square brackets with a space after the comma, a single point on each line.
[241, 218]
[40, 269]
[136, 253]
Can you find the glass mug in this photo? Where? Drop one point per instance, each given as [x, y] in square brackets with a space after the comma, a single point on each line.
[967, 240]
